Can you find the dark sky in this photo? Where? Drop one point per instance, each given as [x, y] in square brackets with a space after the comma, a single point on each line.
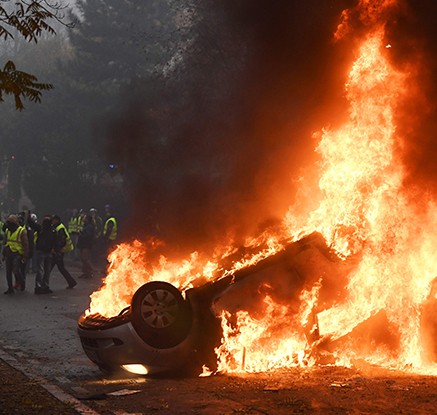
[218, 150]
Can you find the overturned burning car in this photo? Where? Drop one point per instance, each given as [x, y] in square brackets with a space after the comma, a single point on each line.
[166, 331]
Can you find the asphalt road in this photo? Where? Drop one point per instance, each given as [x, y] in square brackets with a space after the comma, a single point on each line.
[41, 329]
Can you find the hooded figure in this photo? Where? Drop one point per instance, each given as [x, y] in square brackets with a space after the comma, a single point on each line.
[12, 223]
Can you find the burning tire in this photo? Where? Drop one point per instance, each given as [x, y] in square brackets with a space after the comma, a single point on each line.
[160, 315]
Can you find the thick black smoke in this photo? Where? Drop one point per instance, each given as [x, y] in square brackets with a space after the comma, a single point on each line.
[215, 148]
[413, 34]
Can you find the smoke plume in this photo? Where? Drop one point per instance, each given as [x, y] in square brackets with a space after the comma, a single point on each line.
[215, 148]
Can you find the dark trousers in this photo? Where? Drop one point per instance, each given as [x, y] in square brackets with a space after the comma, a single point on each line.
[58, 259]
[14, 267]
[43, 269]
[75, 252]
[85, 257]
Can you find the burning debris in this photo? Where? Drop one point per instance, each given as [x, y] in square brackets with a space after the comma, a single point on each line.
[347, 277]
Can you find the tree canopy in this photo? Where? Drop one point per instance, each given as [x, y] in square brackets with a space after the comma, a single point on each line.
[28, 20]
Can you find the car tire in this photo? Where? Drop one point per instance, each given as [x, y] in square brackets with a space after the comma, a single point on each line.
[160, 315]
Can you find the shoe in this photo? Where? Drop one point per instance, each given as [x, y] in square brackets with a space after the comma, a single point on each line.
[9, 291]
[72, 285]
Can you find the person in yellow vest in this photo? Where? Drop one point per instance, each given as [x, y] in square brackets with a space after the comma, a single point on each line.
[2, 238]
[97, 222]
[15, 253]
[110, 230]
[63, 246]
[74, 229]
[80, 220]
[85, 244]
[98, 246]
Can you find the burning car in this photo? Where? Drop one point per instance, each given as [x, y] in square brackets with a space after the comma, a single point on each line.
[371, 297]
[167, 331]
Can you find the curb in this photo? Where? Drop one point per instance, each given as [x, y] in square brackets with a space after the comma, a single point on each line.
[54, 390]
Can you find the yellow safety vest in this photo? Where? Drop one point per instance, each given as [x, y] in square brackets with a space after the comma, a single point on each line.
[73, 224]
[13, 240]
[68, 243]
[80, 224]
[113, 234]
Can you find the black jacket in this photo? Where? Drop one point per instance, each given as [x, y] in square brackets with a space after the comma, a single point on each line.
[86, 237]
[46, 237]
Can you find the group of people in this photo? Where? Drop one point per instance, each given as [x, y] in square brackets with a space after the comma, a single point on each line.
[30, 244]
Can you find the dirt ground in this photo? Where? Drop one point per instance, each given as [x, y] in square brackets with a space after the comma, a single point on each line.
[23, 396]
[323, 390]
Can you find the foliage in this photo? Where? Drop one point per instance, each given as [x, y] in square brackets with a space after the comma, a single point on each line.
[29, 20]
[20, 84]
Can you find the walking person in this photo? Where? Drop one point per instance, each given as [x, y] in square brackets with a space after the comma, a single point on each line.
[85, 244]
[73, 230]
[63, 245]
[22, 220]
[15, 253]
[110, 229]
[31, 262]
[97, 249]
[45, 241]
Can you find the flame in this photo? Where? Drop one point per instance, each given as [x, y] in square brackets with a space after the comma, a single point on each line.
[264, 344]
[363, 212]
[129, 268]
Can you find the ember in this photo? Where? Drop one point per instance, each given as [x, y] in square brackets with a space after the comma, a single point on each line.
[373, 301]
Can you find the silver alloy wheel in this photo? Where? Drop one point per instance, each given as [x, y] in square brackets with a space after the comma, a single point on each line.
[159, 308]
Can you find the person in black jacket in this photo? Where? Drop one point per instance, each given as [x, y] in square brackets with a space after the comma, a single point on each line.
[44, 248]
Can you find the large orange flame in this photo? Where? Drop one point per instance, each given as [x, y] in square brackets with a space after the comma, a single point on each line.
[366, 210]
[363, 211]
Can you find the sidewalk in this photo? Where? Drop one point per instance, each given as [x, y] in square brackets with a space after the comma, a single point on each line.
[22, 395]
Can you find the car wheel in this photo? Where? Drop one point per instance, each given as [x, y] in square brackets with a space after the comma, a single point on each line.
[160, 315]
